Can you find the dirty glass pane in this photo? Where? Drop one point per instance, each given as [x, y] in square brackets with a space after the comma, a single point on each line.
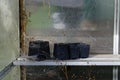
[70, 72]
[88, 21]
[9, 31]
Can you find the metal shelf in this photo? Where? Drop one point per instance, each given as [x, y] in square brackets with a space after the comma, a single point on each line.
[93, 60]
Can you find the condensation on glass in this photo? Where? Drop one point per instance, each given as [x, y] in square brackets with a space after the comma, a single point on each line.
[68, 21]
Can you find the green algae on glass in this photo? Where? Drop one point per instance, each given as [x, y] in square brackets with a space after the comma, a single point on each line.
[41, 18]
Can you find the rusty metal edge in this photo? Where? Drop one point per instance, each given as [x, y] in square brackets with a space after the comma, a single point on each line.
[23, 22]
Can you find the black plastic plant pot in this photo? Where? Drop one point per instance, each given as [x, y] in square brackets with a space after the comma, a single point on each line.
[61, 51]
[44, 47]
[84, 50]
[43, 56]
[74, 51]
[37, 42]
[39, 47]
[33, 49]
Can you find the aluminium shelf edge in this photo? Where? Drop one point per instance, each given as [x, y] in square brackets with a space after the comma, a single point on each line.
[93, 60]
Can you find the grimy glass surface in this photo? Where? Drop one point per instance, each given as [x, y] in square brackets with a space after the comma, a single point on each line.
[68, 21]
[73, 73]
[9, 34]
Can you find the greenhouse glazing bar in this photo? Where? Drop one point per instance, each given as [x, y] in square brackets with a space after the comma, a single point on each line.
[116, 37]
[6, 70]
[116, 29]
